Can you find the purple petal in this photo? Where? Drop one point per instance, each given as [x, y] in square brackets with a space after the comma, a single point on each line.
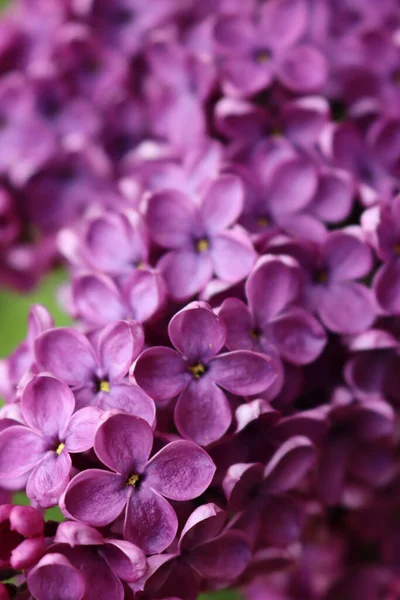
[47, 405]
[234, 35]
[95, 497]
[186, 272]
[222, 204]
[331, 470]
[79, 435]
[49, 479]
[170, 218]
[387, 287]
[293, 186]
[77, 534]
[204, 524]
[180, 471]
[202, 413]
[97, 299]
[289, 464]
[226, 244]
[119, 345]
[240, 482]
[129, 398]
[239, 323]
[244, 76]
[243, 372]
[150, 522]
[20, 450]
[222, 559]
[283, 21]
[54, 578]
[144, 293]
[67, 354]
[346, 307]
[162, 373]
[298, 336]
[127, 561]
[346, 255]
[197, 332]
[123, 443]
[304, 69]
[272, 285]
[334, 197]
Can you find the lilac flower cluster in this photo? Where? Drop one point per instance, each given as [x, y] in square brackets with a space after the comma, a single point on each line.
[221, 179]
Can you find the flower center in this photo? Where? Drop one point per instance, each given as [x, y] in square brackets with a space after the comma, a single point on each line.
[132, 480]
[396, 77]
[263, 56]
[202, 245]
[104, 386]
[255, 333]
[123, 16]
[322, 277]
[263, 221]
[60, 448]
[198, 370]
[396, 248]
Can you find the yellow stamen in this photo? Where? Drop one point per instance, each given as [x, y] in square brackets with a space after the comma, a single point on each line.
[396, 249]
[139, 264]
[322, 277]
[263, 221]
[263, 56]
[104, 386]
[202, 245]
[255, 334]
[198, 370]
[132, 480]
[60, 448]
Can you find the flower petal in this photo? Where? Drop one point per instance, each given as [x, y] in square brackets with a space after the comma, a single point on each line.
[119, 344]
[180, 471]
[79, 435]
[151, 522]
[97, 299]
[204, 524]
[20, 450]
[131, 399]
[346, 307]
[144, 292]
[202, 413]
[289, 464]
[223, 558]
[239, 323]
[298, 336]
[293, 185]
[49, 479]
[54, 578]
[234, 242]
[387, 287]
[303, 69]
[127, 561]
[67, 354]
[161, 372]
[346, 255]
[243, 372]
[170, 218]
[123, 443]
[95, 497]
[222, 204]
[186, 272]
[197, 332]
[47, 405]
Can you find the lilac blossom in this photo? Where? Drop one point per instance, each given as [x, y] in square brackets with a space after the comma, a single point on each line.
[42, 447]
[22, 536]
[196, 373]
[179, 471]
[96, 374]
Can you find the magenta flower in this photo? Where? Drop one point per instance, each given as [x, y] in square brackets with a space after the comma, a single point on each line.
[42, 448]
[179, 471]
[200, 239]
[196, 373]
[96, 375]
[273, 320]
[54, 578]
[22, 536]
[255, 52]
[205, 551]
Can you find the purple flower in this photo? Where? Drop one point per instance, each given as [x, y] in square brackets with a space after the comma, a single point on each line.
[200, 239]
[195, 372]
[98, 300]
[42, 448]
[273, 320]
[22, 538]
[54, 578]
[96, 375]
[205, 551]
[255, 52]
[179, 471]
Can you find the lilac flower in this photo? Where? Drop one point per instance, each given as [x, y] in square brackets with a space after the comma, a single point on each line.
[199, 238]
[54, 578]
[103, 562]
[205, 551]
[96, 375]
[254, 54]
[179, 471]
[273, 319]
[22, 538]
[42, 447]
[196, 373]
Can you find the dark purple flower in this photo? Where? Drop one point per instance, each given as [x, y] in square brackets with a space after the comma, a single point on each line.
[273, 319]
[255, 52]
[21, 535]
[196, 373]
[205, 551]
[200, 238]
[96, 375]
[179, 471]
[42, 448]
